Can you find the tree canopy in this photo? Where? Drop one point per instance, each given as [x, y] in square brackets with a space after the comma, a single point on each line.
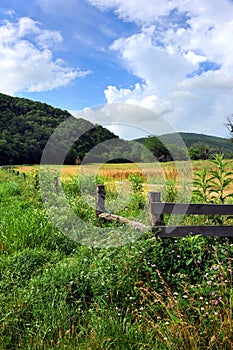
[25, 127]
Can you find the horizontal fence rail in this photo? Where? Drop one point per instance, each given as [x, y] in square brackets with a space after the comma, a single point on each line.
[120, 219]
[157, 209]
[184, 208]
[183, 231]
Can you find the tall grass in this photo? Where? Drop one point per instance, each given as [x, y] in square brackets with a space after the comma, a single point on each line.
[148, 294]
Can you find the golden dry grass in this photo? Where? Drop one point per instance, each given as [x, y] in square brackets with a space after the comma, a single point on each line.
[151, 172]
[118, 171]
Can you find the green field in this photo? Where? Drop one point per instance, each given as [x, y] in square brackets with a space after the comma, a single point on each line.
[148, 293]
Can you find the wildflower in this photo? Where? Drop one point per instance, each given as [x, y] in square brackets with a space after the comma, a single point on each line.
[185, 296]
[209, 282]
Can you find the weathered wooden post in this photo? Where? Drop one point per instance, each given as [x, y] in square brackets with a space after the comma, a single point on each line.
[100, 199]
[56, 184]
[155, 220]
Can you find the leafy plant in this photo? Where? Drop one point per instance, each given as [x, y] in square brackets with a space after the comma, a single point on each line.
[138, 200]
[137, 182]
[221, 178]
[171, 191]
[212, 185]
[203, 185]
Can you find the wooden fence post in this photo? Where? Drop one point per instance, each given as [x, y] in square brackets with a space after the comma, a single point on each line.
[56, 184]
[154, 220]
[100, 199]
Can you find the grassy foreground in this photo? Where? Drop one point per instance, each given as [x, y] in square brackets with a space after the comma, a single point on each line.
[147, 294]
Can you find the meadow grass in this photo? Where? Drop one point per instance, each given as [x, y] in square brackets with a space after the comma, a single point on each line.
[153, 173]
[148, 294]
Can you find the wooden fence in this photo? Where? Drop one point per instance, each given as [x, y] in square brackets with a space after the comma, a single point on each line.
[156, 209]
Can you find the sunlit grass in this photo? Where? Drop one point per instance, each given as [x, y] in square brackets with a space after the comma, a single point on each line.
[153, 173]
[149, 294]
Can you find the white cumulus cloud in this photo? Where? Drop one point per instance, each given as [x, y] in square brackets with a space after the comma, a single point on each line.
[183, 58]
[27, 62]
[140, 95]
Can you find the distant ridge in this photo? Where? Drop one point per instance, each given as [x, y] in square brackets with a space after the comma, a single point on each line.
[214, 143]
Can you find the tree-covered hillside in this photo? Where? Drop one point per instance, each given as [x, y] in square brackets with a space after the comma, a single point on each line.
[214, 143]
[198, 146]
[25, 127]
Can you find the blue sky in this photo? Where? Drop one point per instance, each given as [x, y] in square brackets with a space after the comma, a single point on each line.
[172, 57]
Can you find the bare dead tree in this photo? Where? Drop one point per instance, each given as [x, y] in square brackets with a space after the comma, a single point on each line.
[229, 125]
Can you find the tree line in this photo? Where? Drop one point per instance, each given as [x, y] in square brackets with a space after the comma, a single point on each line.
[26, 126]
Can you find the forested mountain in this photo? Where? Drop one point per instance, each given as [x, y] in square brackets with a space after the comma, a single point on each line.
[214, 143]
[25, 127]
[199, 146]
